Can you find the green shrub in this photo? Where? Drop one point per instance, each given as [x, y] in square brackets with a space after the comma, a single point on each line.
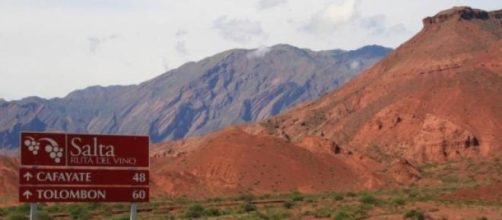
[277, 214]
[288, 204]
[92, 206]
[248, 206]
[43, 216]
[414, 214]
[398, 202]
[195, 211]
[351, 194]
[212, 212]
[296, 196]
[246, 197]
[368, 199]
[215, 199]
[341, 215]
[79, 212]
[24, 208]
[17, 216]
[324, 212]
[122, 217]
[53, 208]
[338, 197]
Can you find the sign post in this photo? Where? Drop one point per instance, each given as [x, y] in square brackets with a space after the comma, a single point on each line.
[134, 211]
[33, 211]
[59, 167]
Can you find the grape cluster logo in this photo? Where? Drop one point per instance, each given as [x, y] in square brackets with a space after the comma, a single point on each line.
[51, 147]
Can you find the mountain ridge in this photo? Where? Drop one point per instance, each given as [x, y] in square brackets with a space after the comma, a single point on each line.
[434, 99]
[234, 86]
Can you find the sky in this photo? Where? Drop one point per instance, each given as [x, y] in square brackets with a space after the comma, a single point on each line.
[49, 48]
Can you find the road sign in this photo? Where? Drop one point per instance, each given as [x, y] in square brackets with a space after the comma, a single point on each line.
[58, 167]
[58, 176]
[83, 194]
[92, 150]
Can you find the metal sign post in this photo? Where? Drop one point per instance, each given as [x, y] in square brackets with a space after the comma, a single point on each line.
[134, 211]
[33, 211]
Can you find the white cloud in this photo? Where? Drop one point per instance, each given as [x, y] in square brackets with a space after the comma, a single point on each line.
[266, 4]
[332, 17]
[49, 48]
[96, 42]
[258, 52]
[181, 48]
[374, 24]
[181, 33]
[238, 30]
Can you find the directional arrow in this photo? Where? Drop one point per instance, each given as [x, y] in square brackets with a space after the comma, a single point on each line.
[27, 194]
[27, 176]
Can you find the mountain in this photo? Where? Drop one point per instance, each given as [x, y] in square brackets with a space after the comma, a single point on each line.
[234, 86]
[436, 98]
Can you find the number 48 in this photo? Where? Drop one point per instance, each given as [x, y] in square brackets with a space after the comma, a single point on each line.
[139, 177]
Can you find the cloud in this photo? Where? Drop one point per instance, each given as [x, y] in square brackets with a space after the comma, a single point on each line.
[240, 31]
[266, 4]
[258, 52]
[374, 24]
[181, 48]
[165, 64]
[181, 33]
[95, 42]
[332, 17]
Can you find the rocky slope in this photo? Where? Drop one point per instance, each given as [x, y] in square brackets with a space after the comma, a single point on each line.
[436, 98]
[234, 86]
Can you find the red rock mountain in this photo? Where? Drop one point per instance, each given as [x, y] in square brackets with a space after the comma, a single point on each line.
[438, 97]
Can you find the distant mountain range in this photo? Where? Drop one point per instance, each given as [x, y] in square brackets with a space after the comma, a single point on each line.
[234, 86]
[437, 98]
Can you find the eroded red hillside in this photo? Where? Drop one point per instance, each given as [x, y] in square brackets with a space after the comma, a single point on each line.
[436, 98]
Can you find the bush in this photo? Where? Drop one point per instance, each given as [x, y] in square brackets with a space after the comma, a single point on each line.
[338, 197]
[53, 208]
[277, 214]
[79, 212]
[323, 213]
[414, 214]
[398, 202]
[368, 199]
[288, 204]
[246, 197]
[248, 206]
[195, 211]
[351, 194]
[122, 217]
[296, 196]
[24, 208]
[341, 215]
[212, 212]
[17, 216]
[44, 216]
